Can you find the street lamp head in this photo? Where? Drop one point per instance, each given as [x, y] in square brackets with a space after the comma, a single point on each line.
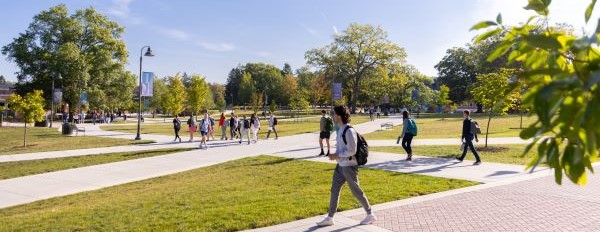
[148, 52]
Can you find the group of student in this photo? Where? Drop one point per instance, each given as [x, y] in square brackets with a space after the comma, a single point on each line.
[348, 148]
[237, 128]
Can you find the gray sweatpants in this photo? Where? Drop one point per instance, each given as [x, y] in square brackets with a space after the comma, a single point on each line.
[340, 176]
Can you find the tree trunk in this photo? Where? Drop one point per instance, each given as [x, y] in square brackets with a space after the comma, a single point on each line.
[487, 129]
[25, 135]
[354, 97]
[521, 126]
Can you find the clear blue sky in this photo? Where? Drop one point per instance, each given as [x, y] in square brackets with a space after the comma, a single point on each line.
[211, 37]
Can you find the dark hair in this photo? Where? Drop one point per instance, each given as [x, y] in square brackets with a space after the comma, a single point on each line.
[323, 111]
[343, 112]
[467, 112]
[405, 114]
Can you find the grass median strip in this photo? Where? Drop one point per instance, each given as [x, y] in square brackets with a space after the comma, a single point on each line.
[31, 167]
[508, 154]
[49, 139]
[504, 126]
[241, 194]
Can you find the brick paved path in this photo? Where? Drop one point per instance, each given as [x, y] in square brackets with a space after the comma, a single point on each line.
[532, 205]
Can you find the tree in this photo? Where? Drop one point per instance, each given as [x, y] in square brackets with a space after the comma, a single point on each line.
[355, 52]
[441, 99]
[232, 86]
[320, 90]
[299, 101]
[197, 94]
[157, 102]
[290, 87]
[31, 107]
[176, 96]
[561, 71]
[2, 80]
[287, 70]
[457, 71]
[273, 106]
[85, 48]
[246, 89]
[256, 101]
[494, 92]
[218, 94]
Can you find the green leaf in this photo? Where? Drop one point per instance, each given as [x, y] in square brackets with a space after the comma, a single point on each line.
[589, 10]
[499, 18]
[502, 49]
[539, 6]
[482, 25]
[573, 164]
[487, 34]
[542, 41]
[538, 157]
[529, 132]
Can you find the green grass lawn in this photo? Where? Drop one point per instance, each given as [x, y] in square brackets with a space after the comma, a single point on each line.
[31, 167]
[237, 195]
[41, 139]
[509, 154]
[284, 128]
[504, 126]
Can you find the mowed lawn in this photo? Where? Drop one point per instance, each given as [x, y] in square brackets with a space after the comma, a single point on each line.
[284, 127]
[31, 167]
[502, 126]
[508, 154]
[242, 194]
[41, 139]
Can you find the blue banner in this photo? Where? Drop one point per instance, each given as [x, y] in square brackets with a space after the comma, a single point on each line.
[337, 91]
[147, 84]
[83, 98]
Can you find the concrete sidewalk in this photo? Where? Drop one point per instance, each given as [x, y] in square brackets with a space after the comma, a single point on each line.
[453, 141]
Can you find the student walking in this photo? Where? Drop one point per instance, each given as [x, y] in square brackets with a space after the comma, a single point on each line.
[326, 126]
[204, 130]
[409, 130]
[255, 126]
[239, 126]
[211, 129]
[177, 127]
[371, 111]
[233, 126]
[378, 112]
[223, 124]
[191, 122]
[272, 126]
[468, 134]
[245, 124]
[346, 170]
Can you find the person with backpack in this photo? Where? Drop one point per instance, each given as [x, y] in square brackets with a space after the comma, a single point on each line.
[177, 127]
[191, 122]
[326, 126]
[245, 129]
[469, 132]
[371, 111]
[204, 130]
[272, 125]
[350, 148]
[409, 130]
[254, 126]
[232, 126]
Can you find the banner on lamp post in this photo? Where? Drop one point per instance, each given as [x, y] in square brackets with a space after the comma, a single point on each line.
[83, 98]
[337, 91]
[57, 96]
[147, 84]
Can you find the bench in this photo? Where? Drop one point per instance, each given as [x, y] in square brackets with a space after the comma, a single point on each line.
[387, 126]
[78, 129]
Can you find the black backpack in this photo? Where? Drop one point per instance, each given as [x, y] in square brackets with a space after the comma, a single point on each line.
[246, 124]
[274, 121]
[362, 148]
[232, 122]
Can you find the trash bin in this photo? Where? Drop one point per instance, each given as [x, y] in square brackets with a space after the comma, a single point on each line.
[43, 123]
[67, 129]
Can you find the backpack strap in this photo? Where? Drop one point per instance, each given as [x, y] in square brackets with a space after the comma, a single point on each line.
[344, 134]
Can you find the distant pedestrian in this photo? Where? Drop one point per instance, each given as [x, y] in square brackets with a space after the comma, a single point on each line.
[468, 134]
[255, 127]
[409, 130]
[272, 126]
[177, 127]
[204, 127]
[325, 126]
[211, 129]
[233, 126]
[223, 124]
[371, 112]
[239, 126]
[378, 112]
[191, 122]
[346, 170]
[94, 117]
[245, 130]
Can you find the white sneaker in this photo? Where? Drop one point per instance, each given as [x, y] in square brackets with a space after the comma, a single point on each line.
[328, 221]
[369, 219]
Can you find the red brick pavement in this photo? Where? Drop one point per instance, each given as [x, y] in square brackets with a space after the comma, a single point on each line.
[533, 205]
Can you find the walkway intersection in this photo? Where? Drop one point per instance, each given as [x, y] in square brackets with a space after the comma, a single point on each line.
[510, 199]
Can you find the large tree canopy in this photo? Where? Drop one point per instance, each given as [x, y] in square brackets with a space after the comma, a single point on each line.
[85, 48]
[354, 53]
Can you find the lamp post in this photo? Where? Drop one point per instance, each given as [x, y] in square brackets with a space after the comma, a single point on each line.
[148, 53]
